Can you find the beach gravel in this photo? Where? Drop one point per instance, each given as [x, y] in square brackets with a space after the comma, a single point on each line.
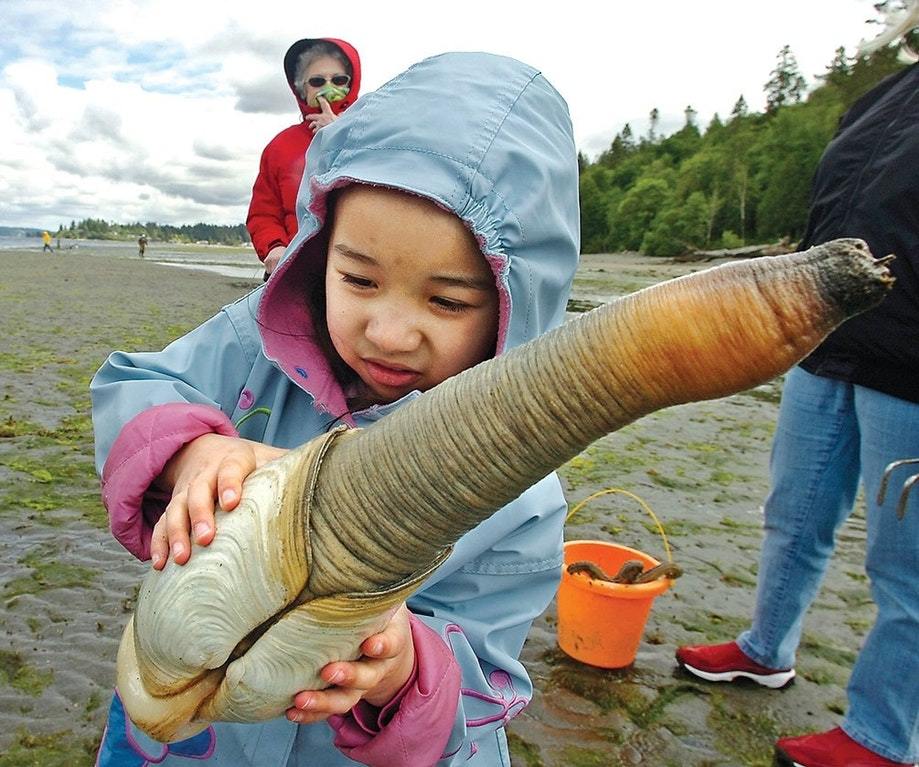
[67, 587]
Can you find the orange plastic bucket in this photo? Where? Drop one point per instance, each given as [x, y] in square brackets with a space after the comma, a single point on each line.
[601, 623]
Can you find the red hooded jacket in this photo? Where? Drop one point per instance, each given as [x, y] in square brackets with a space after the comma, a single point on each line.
[272, 218]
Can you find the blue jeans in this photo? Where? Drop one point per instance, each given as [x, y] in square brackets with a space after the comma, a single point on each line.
[829, 434]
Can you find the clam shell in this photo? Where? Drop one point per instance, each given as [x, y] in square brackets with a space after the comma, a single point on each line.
[231, 638]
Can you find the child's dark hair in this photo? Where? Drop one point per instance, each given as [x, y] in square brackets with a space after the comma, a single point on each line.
[314, 291]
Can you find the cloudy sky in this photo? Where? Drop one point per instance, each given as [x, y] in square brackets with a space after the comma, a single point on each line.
[157, 110]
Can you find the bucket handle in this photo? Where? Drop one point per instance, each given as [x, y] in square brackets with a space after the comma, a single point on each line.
[611, 490]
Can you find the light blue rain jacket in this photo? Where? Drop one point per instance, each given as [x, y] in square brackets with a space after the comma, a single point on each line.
[490, 139]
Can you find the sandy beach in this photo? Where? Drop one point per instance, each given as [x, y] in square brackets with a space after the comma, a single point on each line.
[67, 587]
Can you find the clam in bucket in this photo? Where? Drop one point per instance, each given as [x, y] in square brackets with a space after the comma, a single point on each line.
[601, 623]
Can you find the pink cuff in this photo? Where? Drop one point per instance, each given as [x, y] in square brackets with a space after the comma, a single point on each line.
[143, 447]
[414, 727]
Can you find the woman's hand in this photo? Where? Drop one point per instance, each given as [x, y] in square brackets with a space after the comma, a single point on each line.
[325, 117]
[386, 665]
[209, 467]
[273, 257]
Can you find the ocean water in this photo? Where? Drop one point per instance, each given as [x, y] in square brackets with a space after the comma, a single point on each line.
[8, 243]
[226, 260]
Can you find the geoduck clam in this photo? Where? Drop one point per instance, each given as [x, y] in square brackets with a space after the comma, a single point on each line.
[332, 537]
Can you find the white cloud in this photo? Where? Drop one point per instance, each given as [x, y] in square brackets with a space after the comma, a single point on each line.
[159, 109]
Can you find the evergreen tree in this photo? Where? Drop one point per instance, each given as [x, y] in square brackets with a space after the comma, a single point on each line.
[740, 108]
[628, 140]
[623, 145]
[838, 70]
[786, 85]
[593, 213]
[678, 229]
[745, 180]
[715, 127]
[641, 204]
[681, 145]
[653, 121]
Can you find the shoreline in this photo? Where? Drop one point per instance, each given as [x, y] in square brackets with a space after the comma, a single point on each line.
[228, 260]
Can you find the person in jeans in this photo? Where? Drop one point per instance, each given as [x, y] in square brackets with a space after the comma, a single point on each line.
[848, 410]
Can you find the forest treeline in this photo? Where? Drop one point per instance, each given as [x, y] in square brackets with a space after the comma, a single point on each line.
[98, 229]
[745, 179]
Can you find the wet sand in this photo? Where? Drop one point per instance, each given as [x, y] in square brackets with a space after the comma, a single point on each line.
[67, 588]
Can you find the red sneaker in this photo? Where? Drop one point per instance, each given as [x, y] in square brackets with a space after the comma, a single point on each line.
[828, 749]
[727, 662]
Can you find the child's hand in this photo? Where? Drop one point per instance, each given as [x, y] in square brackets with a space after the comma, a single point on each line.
[208, 467]
[387, 663]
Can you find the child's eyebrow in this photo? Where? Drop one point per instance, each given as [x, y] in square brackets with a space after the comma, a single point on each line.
[448, 280]
[473, 283]
[354, 255]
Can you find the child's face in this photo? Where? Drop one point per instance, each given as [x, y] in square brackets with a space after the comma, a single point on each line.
[410, 299]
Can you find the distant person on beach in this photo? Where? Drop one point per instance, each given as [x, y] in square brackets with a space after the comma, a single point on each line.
[850, 409]
[405, 272]
[46, 239]
[325, 77]
[142, 245]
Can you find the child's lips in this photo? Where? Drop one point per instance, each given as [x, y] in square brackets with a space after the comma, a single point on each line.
[387, 375]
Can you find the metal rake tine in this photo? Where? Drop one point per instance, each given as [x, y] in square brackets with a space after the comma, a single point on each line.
[907, 486]
[885, 478]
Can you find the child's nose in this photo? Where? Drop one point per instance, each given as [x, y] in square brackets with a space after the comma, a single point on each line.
[394, 331]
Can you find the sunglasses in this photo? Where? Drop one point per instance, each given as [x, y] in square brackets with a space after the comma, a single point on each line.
[318, 81]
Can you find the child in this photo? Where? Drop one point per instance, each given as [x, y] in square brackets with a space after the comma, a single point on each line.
[438, 227]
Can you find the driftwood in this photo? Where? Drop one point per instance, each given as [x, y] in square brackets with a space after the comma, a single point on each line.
[779, 248]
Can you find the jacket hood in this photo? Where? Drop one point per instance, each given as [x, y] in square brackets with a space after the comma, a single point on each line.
[483, 136]
[290, 71]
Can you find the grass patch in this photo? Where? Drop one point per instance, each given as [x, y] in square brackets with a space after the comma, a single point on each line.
[839, 656]
[610, 691]
[54, 505]
[58, 749]
[859, 625]
[578, 306]
[93, 703]
[523, 751]
[770, 392]
[578, 756]
[602, 465]
[47, 573]
[11, 426]
[732, 524]
[715, 627]
[596, 685]
[15, 672]
[748, 737]
[738, 578]
[675, 481]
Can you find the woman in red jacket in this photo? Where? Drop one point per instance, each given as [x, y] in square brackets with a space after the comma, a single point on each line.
[324, 75]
